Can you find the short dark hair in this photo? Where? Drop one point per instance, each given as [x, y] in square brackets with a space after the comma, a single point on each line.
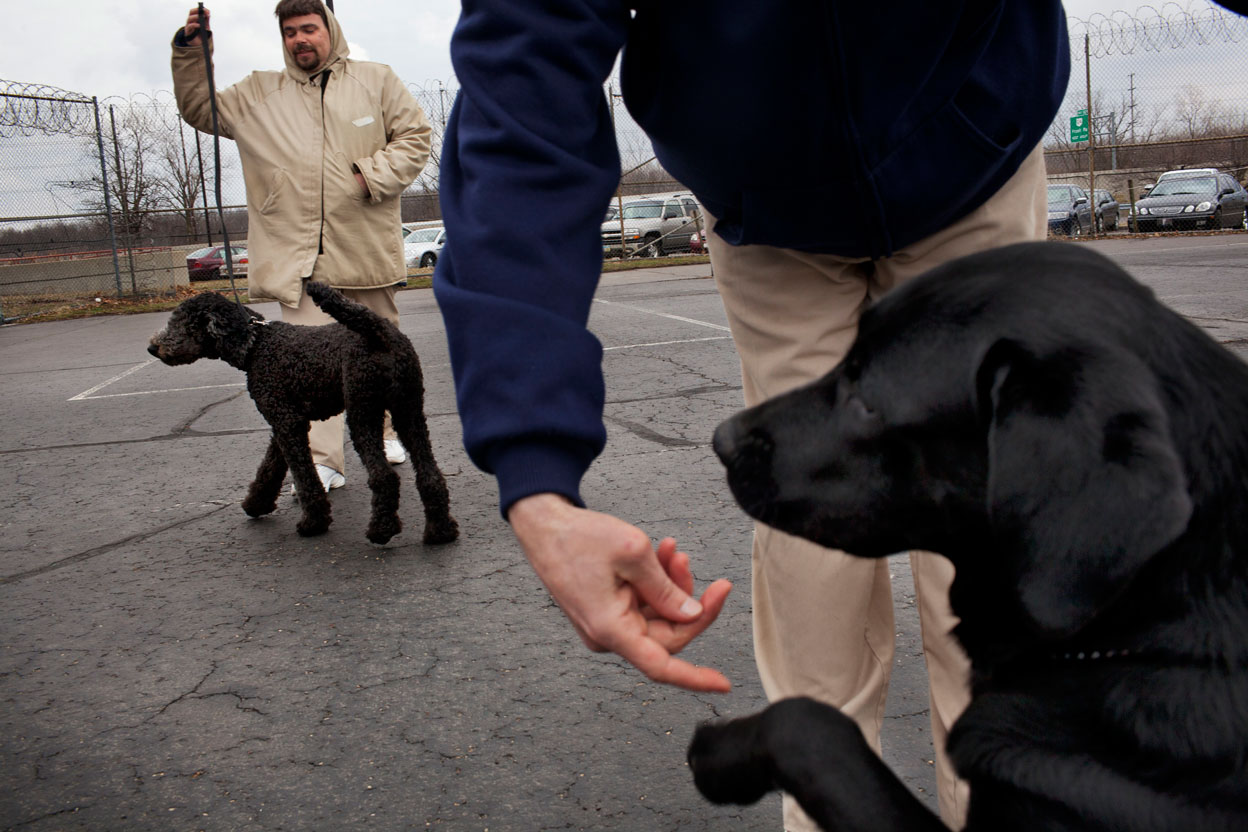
[287, 9]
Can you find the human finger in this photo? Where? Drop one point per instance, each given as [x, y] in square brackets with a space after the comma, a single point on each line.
[652, 659]
[674, 636]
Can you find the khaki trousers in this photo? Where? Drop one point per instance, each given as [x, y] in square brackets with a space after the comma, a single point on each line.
[325, 438]
[823, 619]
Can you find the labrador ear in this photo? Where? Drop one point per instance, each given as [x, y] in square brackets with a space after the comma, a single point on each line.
[1084, 482]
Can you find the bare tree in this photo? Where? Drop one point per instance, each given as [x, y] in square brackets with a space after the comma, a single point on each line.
[181, 186]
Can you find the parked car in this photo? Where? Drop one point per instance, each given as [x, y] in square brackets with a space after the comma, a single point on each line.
[421, 246]
[1070, 213]
[653, 225]
[1179, 172]
[1197, 200]
[698, 243]
[209, 263]
[1106, 210]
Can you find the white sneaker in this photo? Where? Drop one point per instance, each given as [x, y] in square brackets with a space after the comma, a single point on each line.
[396, 454]
[329, 479]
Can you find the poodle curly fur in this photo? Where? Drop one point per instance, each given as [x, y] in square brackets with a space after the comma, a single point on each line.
[298, 374]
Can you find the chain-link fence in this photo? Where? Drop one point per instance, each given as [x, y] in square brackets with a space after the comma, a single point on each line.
[110, 197]
[1151, 92]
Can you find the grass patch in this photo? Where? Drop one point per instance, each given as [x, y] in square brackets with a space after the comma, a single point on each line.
[29, 309]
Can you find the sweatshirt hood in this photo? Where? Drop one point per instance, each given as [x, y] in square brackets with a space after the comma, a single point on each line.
[338, 50]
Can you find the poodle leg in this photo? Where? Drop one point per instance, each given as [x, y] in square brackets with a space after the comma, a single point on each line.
[365, 422]
[261, 498]
[408, 418]
[292, 439]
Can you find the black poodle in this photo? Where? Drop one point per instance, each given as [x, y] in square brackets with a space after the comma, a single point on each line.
[297, 374]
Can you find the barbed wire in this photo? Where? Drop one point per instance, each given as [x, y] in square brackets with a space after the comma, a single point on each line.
[1150, 29]
[31, 109]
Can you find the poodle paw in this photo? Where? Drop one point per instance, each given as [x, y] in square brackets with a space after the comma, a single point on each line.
[444, 531]
[259, 506]
[310, 526]
[381, 529]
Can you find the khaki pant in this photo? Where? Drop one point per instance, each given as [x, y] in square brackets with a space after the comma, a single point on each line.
[823, 620]
[325, 438]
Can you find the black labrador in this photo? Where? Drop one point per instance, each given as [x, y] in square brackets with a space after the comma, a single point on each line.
[1080, 452]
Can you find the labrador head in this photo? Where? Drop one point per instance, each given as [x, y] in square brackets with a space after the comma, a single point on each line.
[997, 410]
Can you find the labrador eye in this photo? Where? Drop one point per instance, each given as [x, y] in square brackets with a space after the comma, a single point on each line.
[860, 409]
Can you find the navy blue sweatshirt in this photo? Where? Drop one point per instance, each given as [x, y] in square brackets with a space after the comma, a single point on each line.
[844, 127]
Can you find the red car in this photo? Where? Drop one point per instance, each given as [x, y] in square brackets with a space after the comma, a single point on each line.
[697, 243]
[209, 263]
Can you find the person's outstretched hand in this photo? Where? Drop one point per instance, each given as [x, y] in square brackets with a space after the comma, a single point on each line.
[620, 593]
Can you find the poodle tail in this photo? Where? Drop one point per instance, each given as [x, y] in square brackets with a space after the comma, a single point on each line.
[355, 317]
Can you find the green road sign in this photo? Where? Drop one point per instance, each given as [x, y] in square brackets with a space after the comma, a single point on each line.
[1079, 127]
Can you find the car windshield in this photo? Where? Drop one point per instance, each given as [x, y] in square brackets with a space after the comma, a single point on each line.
[1059, 194]
[643, 211]
[202, 252]
[424, 235]
[1194, 186]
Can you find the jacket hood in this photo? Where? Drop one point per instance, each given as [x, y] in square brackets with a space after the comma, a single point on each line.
[338, 50]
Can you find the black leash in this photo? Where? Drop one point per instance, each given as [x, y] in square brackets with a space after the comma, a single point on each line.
[216, 149]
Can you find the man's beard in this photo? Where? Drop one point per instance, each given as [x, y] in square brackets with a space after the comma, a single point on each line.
[302, 57]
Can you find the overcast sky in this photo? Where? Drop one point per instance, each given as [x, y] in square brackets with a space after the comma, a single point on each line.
[122, 47]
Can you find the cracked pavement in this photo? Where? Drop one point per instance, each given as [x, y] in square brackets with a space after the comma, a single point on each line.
[167, 663]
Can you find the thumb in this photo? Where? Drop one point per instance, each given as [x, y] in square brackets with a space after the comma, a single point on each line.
[656, 588]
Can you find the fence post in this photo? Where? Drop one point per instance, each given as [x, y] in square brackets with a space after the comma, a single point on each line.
[108, 204]
[125, 209]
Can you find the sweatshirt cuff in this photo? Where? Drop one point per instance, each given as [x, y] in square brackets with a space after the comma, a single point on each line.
[179, 39]
[525, 469]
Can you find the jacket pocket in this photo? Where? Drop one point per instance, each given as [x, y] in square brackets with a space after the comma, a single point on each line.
[278, 184]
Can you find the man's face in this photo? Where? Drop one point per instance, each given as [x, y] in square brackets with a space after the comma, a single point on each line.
[307, 40]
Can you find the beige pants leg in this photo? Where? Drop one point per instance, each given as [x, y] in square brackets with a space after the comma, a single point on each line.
[823, 620]
[325, 438]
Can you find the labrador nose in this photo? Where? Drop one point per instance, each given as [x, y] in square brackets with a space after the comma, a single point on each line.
[154, 350]
[726, 440]
[742, 448]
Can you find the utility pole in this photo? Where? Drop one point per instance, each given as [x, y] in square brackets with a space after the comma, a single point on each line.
[1087, 64]
[1132, 88]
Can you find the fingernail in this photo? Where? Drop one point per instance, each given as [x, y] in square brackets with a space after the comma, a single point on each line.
[690, 607]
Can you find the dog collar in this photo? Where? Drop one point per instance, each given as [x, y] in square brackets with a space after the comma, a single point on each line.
[1092, 655]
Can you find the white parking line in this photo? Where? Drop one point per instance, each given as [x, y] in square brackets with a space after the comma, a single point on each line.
[667, 343]
[155, 392]
[720, 327]
[87, 394]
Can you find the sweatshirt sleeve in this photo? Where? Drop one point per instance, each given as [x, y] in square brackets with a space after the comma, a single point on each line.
[190, 88]
[390, 170]
[528, 165]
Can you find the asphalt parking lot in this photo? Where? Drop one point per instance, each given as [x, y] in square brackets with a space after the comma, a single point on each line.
[167, 663]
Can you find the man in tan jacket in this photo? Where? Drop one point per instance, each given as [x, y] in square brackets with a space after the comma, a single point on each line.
[328, 145]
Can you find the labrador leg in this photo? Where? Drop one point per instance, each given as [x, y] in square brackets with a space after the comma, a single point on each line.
[815, 753]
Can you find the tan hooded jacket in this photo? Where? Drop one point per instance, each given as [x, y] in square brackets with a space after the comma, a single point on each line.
[300, 151]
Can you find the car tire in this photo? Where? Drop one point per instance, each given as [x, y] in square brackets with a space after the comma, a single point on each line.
[1075, 228]
[428, 260]
[649, 249]
[1215, 222]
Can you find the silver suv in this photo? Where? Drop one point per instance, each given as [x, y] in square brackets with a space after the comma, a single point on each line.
[653, 225]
